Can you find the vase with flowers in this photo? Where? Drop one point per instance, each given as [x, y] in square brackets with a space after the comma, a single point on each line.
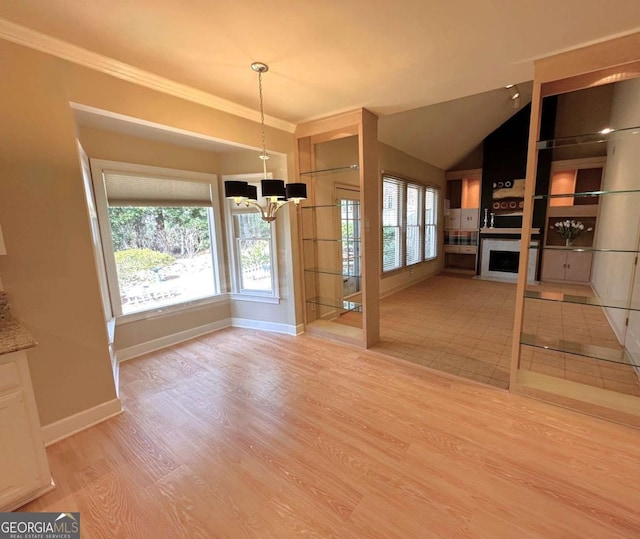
[569, 229]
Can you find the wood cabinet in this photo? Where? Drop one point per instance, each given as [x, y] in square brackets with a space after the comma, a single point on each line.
[569, 266]
[24, 470]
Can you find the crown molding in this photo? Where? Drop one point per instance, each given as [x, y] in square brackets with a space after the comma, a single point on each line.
[56, 47]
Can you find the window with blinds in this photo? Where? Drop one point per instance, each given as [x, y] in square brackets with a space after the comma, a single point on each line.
[409, 223]
[414, 224]
[157, 234]
[430, 223]
[392, 210]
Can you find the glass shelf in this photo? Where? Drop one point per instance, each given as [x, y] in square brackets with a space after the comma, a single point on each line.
[588, 138]
[330, 170]
[561, 297]
[340, 240]
[321, 206]
[343, 305]
[612, 355]
[581, 249]
[330, 271]
[586, 194]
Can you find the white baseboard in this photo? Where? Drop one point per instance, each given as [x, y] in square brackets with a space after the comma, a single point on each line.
[59, 430]
[136, 350]
[274, 327]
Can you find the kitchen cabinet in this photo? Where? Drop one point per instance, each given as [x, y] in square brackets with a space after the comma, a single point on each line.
[24, 470]
[571, 266]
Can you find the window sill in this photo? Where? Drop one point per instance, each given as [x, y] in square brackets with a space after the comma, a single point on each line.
[170, 309]
[255, 298]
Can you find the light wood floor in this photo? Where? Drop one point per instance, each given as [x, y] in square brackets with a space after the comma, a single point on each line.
[248, 434]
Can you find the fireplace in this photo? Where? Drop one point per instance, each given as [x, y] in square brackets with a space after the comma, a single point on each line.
[506, 261]
[500, 259]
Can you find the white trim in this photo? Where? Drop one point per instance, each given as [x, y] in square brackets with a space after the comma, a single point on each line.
[78, 55]
[273, 327]
[59, 430]
[256, 298]
[136, 350]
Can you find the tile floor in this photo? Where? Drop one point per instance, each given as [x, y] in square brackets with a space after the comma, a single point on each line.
[464, 326]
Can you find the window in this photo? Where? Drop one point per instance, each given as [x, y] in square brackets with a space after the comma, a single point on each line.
[414, 224]
[252, 248]
[409, 223]
[157, 236]
[392, 255]
[430, 223]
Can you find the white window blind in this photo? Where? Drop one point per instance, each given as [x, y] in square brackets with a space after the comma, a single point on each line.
[127, 189]
[430, 223]
[414, 224]
[392, 203]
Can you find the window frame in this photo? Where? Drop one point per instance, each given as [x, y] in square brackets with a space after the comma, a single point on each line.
[433, 224]
[98, 168]
[405, 184]
[237, 292]
[401, 216]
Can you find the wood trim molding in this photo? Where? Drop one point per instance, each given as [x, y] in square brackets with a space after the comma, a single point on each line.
[59, 430]
[24, 36]
[124, 354]
[273, 327]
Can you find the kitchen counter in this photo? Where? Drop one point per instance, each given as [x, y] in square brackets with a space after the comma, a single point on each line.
[13, 336]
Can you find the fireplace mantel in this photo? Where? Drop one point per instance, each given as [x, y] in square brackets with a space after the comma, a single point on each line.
[517, 231]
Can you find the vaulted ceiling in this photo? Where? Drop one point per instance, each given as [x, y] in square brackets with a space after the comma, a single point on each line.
[335, 55]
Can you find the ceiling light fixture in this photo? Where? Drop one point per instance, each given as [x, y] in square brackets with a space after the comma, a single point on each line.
[514, 94]
[606, 131]
[275, 191]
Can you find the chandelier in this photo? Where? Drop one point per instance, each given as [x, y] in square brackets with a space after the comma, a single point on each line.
[276, 193]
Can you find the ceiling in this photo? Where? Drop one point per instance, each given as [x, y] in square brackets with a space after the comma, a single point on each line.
[336, 55]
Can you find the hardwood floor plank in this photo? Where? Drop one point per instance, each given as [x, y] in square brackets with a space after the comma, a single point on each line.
[248, 434]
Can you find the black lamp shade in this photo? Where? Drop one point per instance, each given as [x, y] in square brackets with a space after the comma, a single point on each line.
[273, 188]
[252, 192]
[296, 190]
[235, 189]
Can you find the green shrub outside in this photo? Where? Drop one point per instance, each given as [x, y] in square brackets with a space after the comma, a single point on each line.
[132, 261]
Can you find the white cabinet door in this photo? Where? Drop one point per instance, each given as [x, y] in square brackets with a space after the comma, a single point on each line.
[553, 265]
[453, 220]
[18, 469]
[469, 219]
[578, 267]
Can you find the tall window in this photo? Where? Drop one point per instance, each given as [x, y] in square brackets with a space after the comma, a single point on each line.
[430, 223]
[409, 223]
[252, 248]
[253, 251]
[392, 254]
[414, 224]
[156, 233]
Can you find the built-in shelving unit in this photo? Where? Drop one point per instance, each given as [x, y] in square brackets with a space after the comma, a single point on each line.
[461, 219]
[337, 158]
[577, 335]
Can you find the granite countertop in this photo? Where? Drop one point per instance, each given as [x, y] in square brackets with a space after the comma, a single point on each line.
[13, 336]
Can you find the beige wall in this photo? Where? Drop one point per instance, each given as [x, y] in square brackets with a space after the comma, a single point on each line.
[397, 162]
[50, 273]
[619, 220]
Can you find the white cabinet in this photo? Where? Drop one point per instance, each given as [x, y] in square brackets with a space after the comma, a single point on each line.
[469, 218]
[453, 221]
[559, 265]
[24, 470]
